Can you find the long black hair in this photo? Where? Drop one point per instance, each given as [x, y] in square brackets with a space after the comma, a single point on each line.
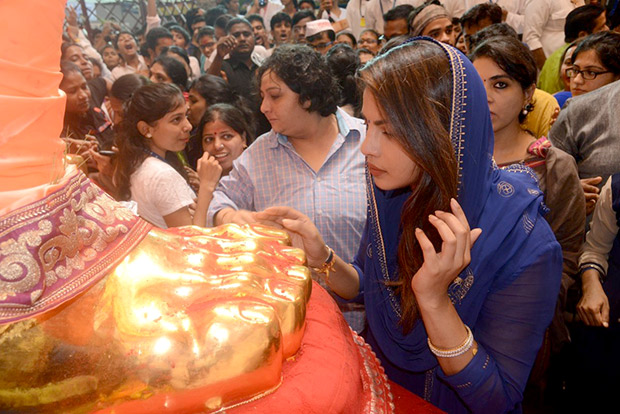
[175, 70]
[607, 47]
[149, 104]
[425, 89]
[513, 57]
[238, 118]
[343, 63]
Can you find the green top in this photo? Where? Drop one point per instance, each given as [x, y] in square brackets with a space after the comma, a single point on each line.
[549, 78]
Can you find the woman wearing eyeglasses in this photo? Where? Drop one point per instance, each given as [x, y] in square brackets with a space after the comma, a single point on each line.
[596, 63]
[371, 40]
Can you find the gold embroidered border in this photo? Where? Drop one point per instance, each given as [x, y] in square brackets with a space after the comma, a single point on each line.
[73, 238]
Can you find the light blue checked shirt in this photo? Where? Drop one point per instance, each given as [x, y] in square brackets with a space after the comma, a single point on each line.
[270, 173]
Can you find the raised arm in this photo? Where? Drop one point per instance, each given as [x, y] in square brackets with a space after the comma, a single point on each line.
[224, 46]
[152, 18]
[78, 37]
[253, 9]
[488, 363]
[209, 172]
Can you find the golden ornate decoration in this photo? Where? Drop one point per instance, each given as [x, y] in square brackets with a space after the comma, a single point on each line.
[57, 247]
[191, 320]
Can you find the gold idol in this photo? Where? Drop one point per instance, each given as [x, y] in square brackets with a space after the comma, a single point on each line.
[191, 320]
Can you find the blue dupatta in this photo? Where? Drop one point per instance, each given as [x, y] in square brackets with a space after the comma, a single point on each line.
[506, 204]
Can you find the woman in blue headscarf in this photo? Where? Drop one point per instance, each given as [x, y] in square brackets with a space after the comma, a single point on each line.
[455, 315]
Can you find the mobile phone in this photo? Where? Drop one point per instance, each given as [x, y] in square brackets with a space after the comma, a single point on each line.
[107, 153]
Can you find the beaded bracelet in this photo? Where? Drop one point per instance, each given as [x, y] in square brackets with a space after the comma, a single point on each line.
[454, 352]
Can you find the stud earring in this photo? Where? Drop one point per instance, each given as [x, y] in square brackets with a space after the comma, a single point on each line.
[149, 135]
[527, 109]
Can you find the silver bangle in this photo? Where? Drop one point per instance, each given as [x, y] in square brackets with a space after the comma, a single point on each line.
[454, 352]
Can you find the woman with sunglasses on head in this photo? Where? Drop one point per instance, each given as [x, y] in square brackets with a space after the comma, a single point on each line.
[166, 69]
[458, 294]
[191, 64]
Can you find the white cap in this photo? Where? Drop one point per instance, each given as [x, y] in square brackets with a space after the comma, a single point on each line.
[318, 26]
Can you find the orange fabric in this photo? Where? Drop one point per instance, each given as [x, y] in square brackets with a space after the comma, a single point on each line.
[31, 105]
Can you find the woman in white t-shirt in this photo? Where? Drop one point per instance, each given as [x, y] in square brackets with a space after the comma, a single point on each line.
[155, 123]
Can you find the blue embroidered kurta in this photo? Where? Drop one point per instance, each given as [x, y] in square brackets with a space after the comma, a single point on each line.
[506, 295]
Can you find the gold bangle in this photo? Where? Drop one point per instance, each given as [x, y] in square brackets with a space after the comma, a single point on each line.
[328, 266]
[454, 352]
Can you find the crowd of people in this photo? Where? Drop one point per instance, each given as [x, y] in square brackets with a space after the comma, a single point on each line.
[458, 194]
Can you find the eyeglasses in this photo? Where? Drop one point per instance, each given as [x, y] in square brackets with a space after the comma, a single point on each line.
[319, 46]
[586, 74]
